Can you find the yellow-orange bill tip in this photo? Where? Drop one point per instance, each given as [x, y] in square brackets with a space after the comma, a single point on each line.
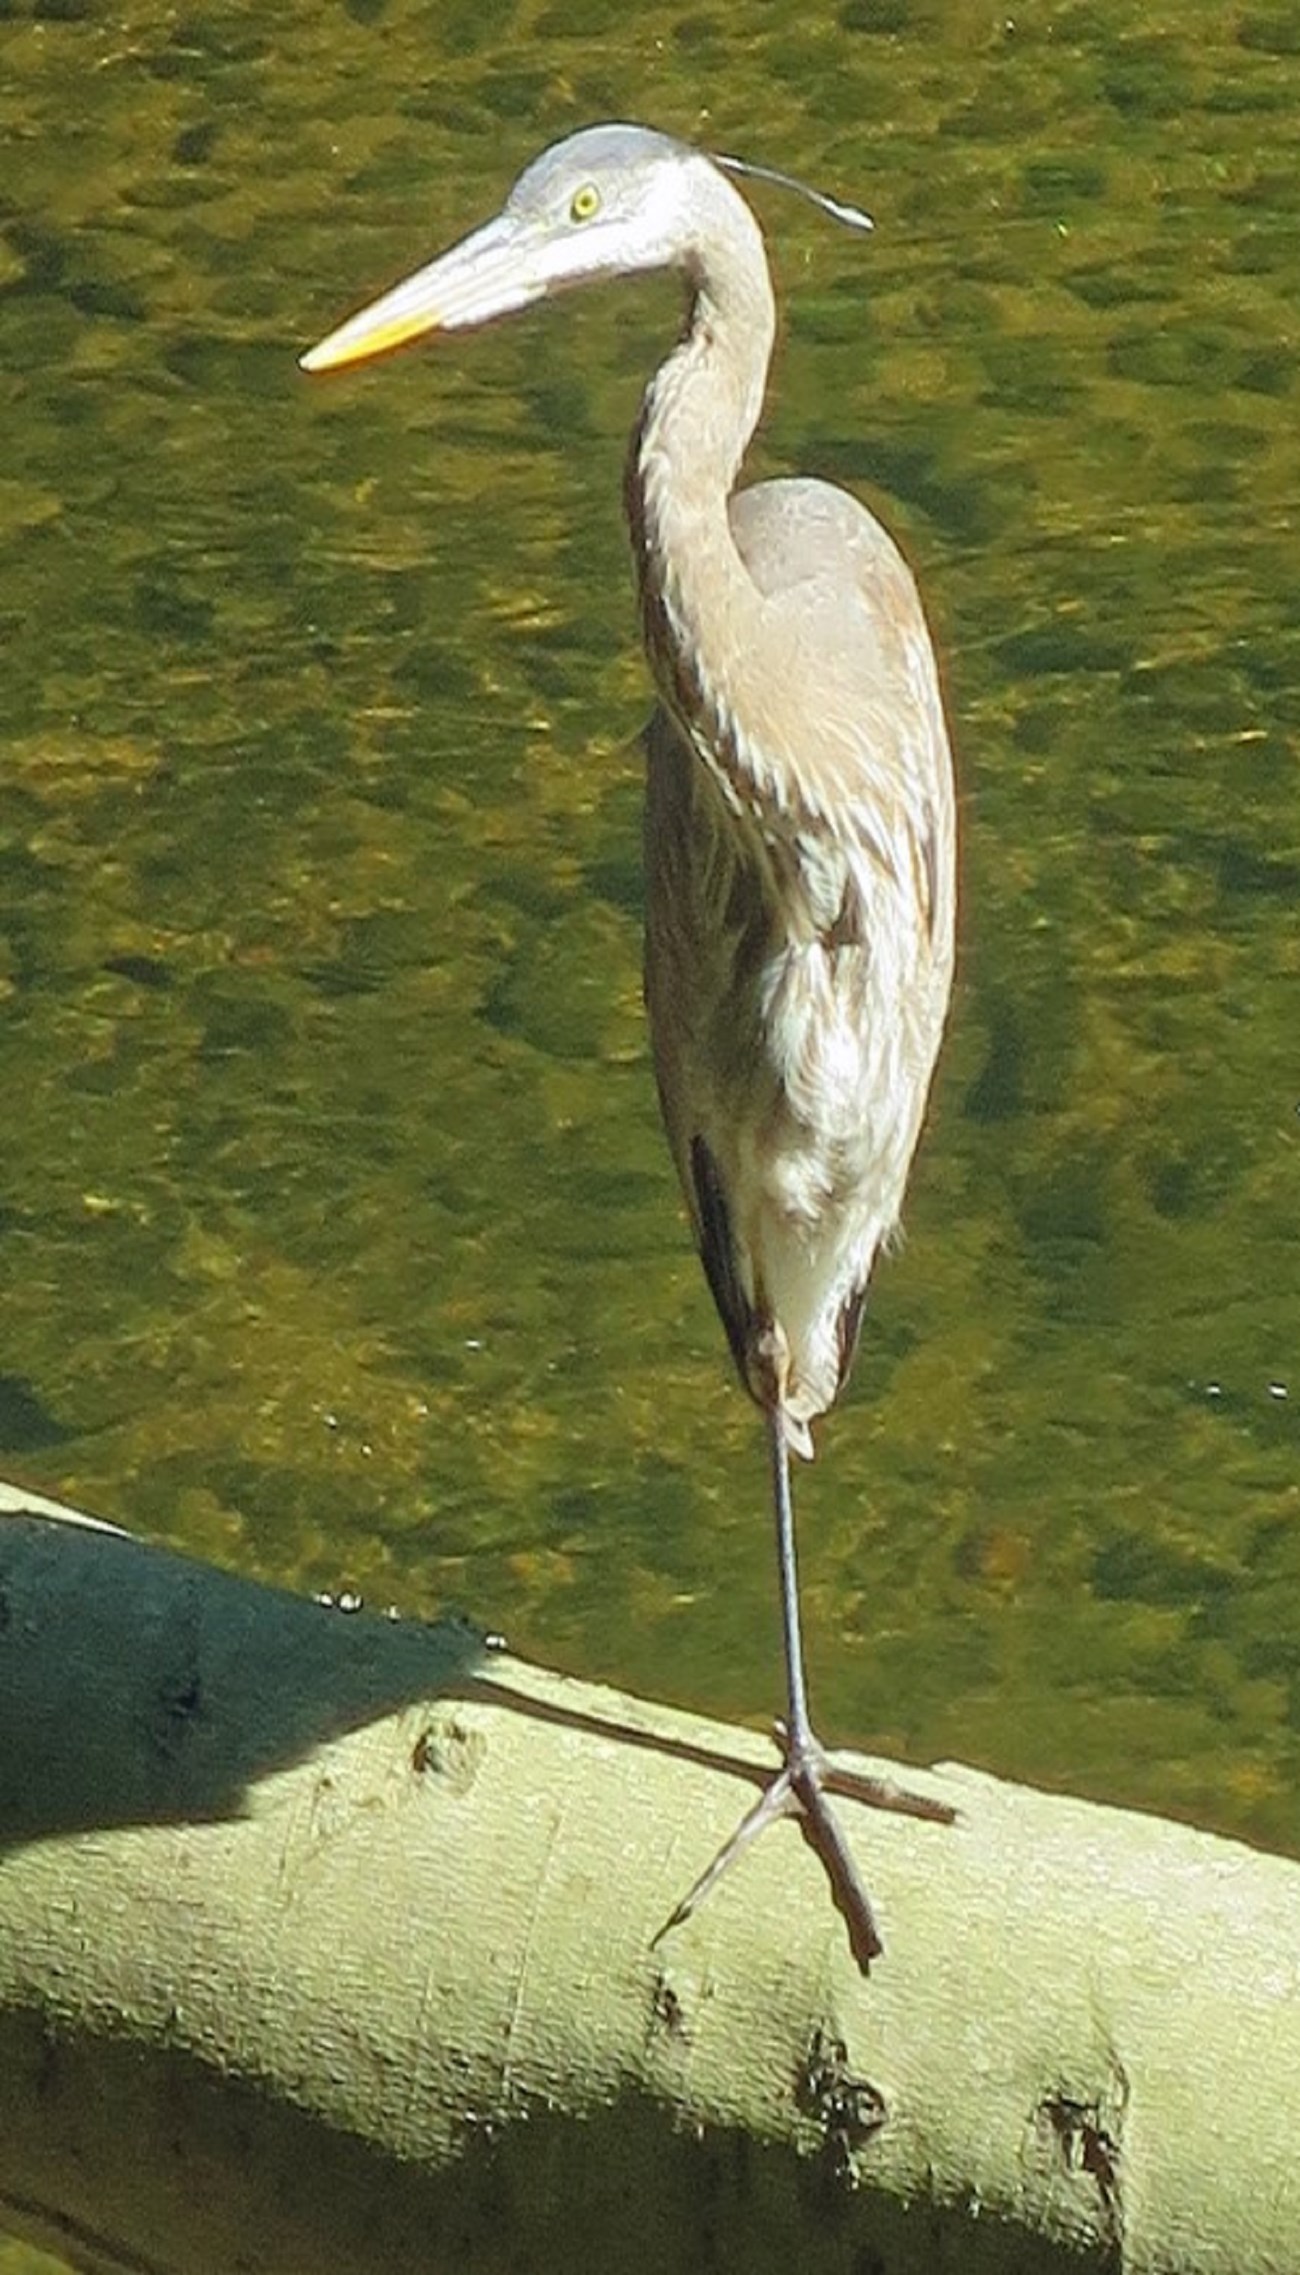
[369, 334]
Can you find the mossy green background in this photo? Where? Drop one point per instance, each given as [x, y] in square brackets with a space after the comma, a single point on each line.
[338, 1240]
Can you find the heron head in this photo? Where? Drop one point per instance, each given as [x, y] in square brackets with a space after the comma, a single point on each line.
[608, 201]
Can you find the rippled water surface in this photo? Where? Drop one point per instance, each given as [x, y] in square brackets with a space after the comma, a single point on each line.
[338, 1238]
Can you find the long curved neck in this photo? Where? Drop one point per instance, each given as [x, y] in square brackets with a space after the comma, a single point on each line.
[699, 412]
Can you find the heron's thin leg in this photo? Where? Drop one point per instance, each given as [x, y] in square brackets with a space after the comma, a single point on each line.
[798, 1726]
[805, 1762]
[798, 1787]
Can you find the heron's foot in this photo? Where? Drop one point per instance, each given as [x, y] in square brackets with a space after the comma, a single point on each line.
[801, 1790]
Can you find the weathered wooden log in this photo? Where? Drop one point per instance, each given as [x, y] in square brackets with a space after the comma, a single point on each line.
[327, 1942]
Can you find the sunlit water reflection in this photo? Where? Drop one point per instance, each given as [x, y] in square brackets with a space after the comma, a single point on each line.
[339, 1237]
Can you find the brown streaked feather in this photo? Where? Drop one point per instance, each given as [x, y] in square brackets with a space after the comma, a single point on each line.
[850, 929]
[718, 1256]
[848, 1328]
[928, 853]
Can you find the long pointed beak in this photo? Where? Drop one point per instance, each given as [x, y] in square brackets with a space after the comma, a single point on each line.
[490, 273]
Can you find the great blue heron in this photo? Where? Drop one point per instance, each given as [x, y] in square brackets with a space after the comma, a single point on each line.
[799, 834]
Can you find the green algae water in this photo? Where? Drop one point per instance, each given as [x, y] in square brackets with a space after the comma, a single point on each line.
[338, 1239]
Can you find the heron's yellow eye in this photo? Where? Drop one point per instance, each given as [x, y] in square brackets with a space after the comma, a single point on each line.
[584, 202]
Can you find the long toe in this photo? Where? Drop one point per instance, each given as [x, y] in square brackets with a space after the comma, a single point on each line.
[844, 1774]
[809, 1770]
